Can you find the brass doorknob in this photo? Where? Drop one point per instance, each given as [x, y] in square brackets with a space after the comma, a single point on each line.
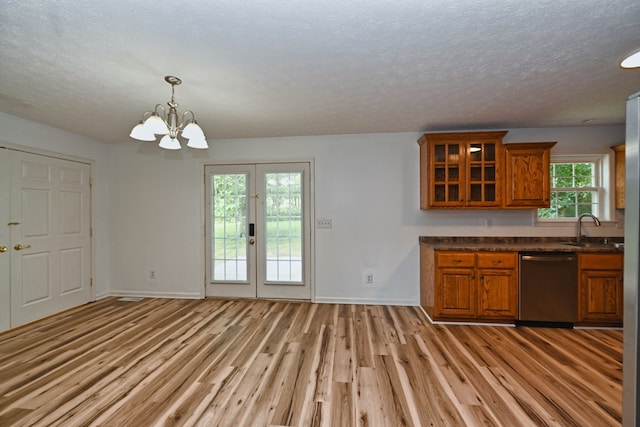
[20, 247]
[3, 249]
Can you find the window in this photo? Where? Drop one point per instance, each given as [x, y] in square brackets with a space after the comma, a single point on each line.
[576, 188]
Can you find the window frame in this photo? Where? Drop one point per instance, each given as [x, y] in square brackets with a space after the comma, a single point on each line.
[602, 171]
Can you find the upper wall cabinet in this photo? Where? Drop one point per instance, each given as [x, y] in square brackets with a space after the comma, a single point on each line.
[465, 170]
[527, 173]
[461, 170]
[619, 174]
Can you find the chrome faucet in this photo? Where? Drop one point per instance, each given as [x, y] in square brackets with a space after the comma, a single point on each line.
[595, 219]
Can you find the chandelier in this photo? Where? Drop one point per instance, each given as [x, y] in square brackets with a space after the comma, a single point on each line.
[161, 122]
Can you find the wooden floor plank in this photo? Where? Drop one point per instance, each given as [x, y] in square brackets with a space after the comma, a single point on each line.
[278, 363]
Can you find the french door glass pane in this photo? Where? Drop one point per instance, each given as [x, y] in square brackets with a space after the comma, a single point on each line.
[283, 227]
[229, 219]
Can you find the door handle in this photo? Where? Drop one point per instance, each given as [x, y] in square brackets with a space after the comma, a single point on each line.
[20, 247]
[251, 241]
[3, 249]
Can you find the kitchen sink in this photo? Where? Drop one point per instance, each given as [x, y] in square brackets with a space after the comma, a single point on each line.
[615, 245]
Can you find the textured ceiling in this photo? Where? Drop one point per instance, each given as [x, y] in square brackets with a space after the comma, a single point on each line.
[260, 68]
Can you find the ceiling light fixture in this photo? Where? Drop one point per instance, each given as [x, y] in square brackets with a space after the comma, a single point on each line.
[631, 61]
[159, 122]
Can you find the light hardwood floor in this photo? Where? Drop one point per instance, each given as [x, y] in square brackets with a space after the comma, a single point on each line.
[254, 363]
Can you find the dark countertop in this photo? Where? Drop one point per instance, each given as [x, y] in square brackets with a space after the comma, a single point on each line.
[522, 244]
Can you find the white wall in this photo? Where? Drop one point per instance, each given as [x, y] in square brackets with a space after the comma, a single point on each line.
[149, 207]
[40, 138]
[366, 184]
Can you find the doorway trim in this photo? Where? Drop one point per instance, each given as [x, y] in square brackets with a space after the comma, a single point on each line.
[312, 219]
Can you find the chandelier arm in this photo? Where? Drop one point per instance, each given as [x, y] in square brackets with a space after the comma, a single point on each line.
[146, 115]
[164, 111]
[184, 122]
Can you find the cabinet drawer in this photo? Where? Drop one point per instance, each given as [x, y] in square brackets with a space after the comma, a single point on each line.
[456, 259]
[497, 260]
[601, 261]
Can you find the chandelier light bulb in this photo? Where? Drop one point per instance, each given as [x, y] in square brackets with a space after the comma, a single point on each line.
[199, 143]
[155, 124]
[169, 143]
[631, 61]
[192, 130]
[141, 133]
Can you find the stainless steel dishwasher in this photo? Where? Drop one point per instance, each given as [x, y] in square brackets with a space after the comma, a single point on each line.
[548, 289]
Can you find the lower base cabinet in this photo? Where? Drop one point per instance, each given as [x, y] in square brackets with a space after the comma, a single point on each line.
[482, 286]
[477, 286]
[600, 289]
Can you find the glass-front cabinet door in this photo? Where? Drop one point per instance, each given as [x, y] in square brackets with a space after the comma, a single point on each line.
[448, 166]
[461, 170]
[482, 186]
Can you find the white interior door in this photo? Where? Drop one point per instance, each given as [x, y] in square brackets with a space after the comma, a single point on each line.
[50, 235]
[5, 241]
[259, 231]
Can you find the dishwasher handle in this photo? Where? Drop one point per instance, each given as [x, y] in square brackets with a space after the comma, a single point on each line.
[552, 258]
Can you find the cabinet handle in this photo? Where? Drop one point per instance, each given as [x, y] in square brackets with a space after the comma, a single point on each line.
[496, 261]
[456, 261]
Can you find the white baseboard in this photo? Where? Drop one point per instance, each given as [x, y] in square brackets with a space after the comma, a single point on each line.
[440, 322]
[149, 294]
[362, 301]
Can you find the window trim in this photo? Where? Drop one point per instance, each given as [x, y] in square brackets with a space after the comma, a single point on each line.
[603, 180]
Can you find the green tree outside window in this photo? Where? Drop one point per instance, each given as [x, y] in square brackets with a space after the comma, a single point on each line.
[574, 190]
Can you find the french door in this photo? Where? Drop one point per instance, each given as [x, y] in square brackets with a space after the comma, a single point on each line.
[258, 231]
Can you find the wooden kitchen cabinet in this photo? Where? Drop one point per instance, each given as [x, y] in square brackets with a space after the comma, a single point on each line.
[620, 171]
[528, 175]
[600, 289]
[461, 170]
[478, 286]
[455, 285]
[497, 285]
[465, 170]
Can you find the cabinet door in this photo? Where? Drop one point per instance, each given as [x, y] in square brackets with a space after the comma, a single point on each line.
[600, 296]
[484, 182]
[528, 175]
[497, 294]
[446, 174]
[620, 168]
[456, 293]
[497, 285]
[461, 170]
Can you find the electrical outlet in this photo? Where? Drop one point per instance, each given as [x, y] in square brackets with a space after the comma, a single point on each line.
[152, 274]
[367, 277]
[323, 223]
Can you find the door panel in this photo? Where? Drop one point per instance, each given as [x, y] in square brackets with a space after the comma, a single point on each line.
[50, 241]
[5, 241]
[229, 271]
[284, 239]
[258, 231]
